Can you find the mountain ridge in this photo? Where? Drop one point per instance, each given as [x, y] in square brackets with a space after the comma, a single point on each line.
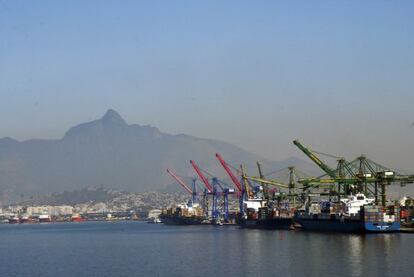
[109, 151]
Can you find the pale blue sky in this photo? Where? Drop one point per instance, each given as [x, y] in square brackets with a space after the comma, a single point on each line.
[339, 75]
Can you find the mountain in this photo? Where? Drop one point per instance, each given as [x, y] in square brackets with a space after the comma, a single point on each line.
[118, 155]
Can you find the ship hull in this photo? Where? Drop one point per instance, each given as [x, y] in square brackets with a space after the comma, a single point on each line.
[181, 220]
[44, 219]
[346, 226]
[371, 227]
[14, 220]
[270, 223]
[328, 225]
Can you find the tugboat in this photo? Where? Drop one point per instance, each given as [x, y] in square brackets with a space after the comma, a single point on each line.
[355, 214]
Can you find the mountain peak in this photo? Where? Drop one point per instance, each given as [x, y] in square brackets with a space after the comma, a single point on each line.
[112, 117]
[110, 122]
[8, 140]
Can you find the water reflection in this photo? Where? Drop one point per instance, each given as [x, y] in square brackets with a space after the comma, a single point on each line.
[156, 250]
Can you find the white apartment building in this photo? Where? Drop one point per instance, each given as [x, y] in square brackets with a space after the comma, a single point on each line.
[50, 210]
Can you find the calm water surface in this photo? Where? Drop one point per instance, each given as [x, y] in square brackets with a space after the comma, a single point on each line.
[140, 249]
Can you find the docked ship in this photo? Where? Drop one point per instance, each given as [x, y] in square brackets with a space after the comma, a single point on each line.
[184, 214]
[14, 220]
[154, 216]
[354, 214]
[26, 219]
[77, 218]
[44, 218]
[260, 216]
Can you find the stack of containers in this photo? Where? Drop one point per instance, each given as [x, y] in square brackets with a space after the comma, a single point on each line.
[373, 214]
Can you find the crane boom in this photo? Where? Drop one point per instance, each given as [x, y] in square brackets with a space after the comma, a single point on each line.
[267, 181]
[259, 168]
[226, 167]
[202, 177]
[368, 180]
[315, 159]
[181, 182]
[265, 187]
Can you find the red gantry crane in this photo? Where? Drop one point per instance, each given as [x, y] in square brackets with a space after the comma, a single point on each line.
[236, 181]
[181, 182]
[211, 189]
[202, 177]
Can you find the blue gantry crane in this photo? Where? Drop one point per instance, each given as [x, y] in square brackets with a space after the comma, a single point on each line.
[217, 189]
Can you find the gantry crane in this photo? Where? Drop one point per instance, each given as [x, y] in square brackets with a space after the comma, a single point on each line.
[359, 175]
[290, 186]
[332, 173]
[315, 159]
[236, 182]
[213, 188]
[241, 189]
[265, 186]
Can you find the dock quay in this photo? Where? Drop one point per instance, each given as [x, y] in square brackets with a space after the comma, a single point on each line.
[406, 230]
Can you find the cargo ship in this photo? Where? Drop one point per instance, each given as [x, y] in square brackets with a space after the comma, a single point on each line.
[355, 214]
[184, 214]
[260, 216]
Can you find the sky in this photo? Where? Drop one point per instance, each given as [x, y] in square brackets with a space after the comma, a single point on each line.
[337, 75]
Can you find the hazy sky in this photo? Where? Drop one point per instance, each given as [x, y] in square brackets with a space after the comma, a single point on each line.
[339, 75]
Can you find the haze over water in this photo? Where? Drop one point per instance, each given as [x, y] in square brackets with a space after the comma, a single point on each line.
[140, 249]
[336, 74]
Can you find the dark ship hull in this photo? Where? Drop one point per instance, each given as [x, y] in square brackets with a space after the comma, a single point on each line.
[345, 225]
[268, 223]
[181, 220]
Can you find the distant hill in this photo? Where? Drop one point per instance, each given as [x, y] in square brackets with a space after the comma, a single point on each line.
[85, 195]
[98, 198]
[110, 152]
